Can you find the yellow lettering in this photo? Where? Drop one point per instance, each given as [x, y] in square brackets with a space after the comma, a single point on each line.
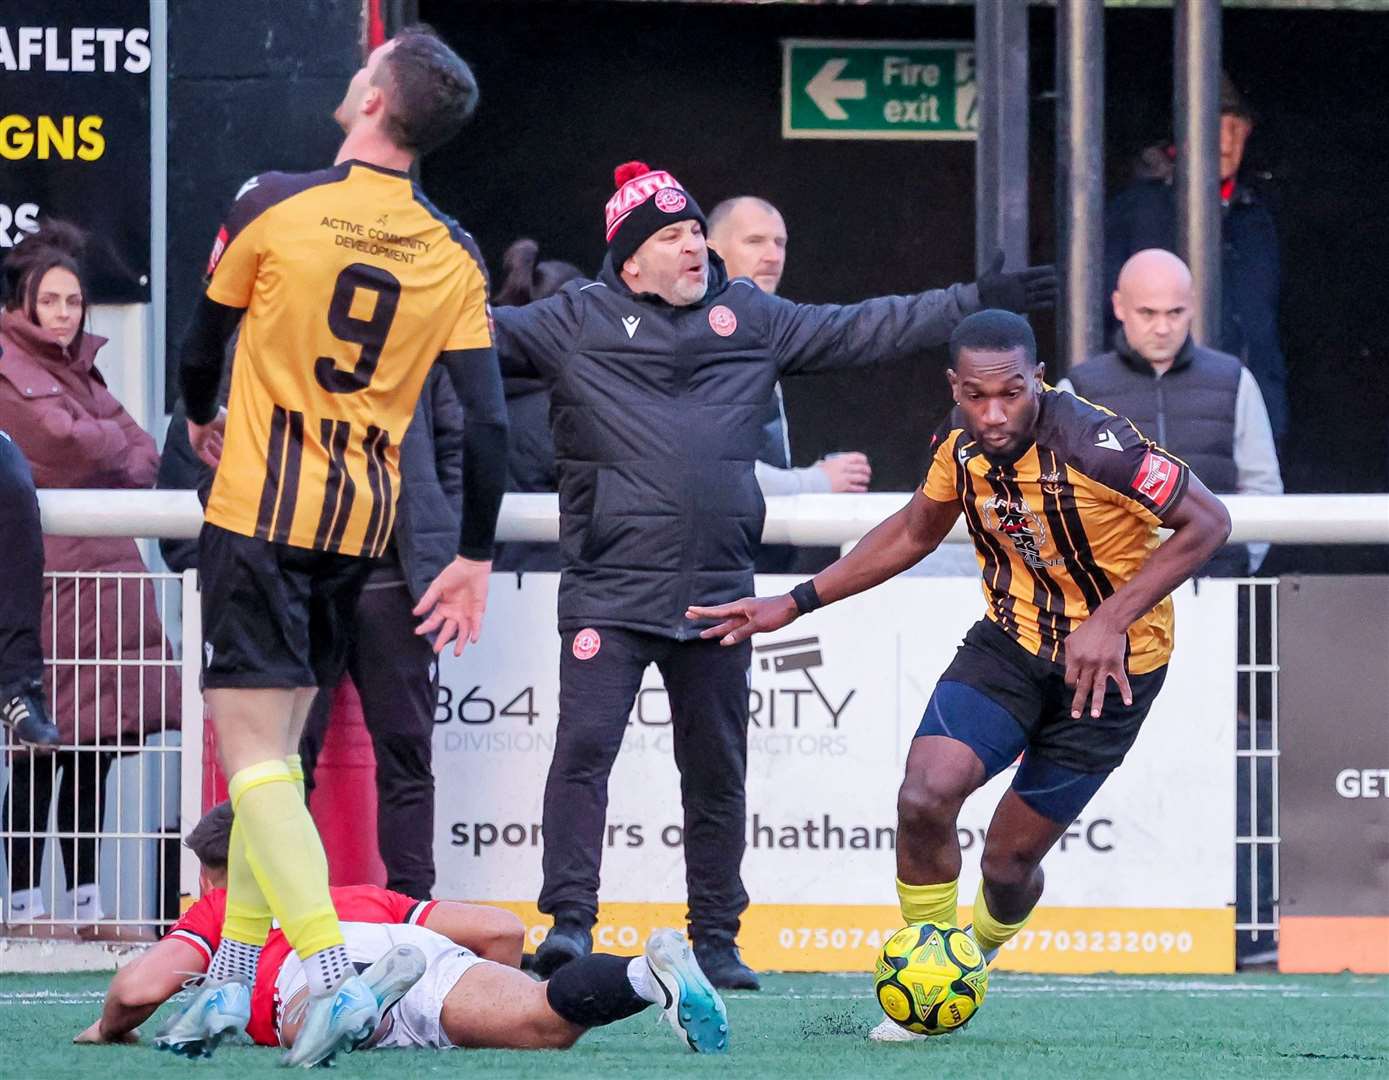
[51, 138]
[93, 141]
[44, 137]
[16, 140]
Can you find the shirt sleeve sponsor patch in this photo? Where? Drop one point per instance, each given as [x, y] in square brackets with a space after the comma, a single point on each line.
[1157, 479]
[219, 245]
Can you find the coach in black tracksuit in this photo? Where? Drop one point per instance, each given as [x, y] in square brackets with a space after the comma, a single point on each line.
[659, 374]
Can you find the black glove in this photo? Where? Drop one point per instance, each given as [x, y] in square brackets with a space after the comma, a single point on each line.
[1026, 290]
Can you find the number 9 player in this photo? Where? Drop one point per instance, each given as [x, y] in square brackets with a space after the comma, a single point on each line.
[348, 285]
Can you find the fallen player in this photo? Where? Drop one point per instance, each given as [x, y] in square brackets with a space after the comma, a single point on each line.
[470, 992]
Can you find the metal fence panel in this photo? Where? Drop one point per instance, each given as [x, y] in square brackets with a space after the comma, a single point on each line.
[1256, 765]
[90, 835]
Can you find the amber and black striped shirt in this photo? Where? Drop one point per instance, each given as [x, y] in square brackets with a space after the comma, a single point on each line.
[1063, 525]
[353, 285]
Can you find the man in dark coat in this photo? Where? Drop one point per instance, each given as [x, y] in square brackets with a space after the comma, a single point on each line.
[1144, 215]
[660, 372]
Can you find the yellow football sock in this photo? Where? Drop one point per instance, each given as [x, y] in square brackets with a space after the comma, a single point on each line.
[929, 903]
[989, 933]
[296, 771]
[286, 854]
[248, 916]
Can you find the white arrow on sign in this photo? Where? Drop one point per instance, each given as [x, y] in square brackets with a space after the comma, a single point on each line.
[827, 89]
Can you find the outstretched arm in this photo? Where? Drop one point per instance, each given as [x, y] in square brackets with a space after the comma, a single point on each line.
[1095, 651]
[818, 337]
[141, 987]
[894, 545]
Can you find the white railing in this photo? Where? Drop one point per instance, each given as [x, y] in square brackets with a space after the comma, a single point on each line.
[803, 520]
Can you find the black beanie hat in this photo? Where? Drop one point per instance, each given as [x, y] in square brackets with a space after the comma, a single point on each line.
[646, 201]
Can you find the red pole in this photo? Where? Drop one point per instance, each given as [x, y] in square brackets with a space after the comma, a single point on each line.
[376, 25]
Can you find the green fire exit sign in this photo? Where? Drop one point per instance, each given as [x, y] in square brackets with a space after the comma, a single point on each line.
[878, 89]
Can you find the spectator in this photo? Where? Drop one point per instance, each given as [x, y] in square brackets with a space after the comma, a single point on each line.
[1202, 405]
[23, 712]
[660, 373]
[749, 235]
[1144, 216]
[75, 434]
[530, 462]
[393, 669]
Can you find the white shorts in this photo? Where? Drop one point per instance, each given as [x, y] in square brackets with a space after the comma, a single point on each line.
[414, 1021]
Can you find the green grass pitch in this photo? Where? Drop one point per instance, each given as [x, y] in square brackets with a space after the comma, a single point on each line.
[1255, 1027]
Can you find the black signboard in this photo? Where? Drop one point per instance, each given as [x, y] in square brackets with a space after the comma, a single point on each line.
[75, 132]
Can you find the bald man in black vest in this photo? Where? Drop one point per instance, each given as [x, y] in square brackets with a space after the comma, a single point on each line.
[1202, 405]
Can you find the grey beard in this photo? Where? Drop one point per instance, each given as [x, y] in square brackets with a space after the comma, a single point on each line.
[691, 294]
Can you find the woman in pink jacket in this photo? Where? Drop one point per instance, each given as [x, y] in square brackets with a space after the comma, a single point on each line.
[55, 405]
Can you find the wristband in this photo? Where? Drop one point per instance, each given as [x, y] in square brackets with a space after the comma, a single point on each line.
[806, 598]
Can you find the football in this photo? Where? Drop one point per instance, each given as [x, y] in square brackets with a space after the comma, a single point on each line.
[930, 979]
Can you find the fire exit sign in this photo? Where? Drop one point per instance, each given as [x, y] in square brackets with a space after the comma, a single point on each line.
[878, 89]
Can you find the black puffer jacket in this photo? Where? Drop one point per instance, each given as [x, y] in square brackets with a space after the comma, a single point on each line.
[657, 411]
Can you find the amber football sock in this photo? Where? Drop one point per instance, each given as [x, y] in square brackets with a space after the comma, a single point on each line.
[936, 904]
[286, 854]
[988, 932]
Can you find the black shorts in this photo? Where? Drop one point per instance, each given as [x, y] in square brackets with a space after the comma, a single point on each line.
[1035, 694]
[275, 616]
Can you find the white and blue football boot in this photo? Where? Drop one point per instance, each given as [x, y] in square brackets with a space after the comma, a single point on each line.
[392, 976]
[348, 1019]
[216, 1009]
[692, 1006]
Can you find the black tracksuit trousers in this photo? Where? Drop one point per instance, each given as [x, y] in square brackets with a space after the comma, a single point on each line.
[396, 677]
[707, 685]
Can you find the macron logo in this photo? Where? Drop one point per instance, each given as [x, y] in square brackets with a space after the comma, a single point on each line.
[631, 322]
[1109, 441]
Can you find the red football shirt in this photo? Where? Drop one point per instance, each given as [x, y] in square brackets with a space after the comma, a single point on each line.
[201, 927]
